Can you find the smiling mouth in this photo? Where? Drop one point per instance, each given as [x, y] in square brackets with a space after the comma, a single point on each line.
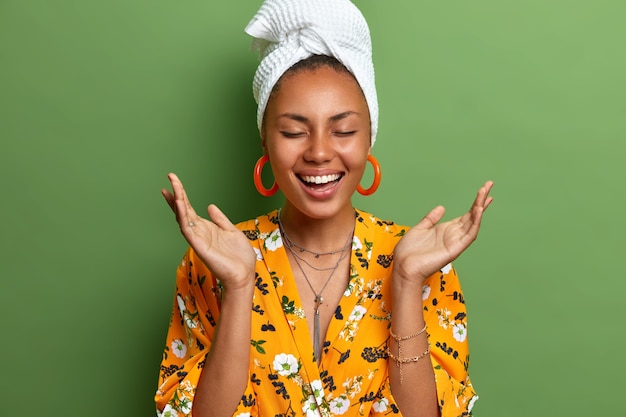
[320, 181]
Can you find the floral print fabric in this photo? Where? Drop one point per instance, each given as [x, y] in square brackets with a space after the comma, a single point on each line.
[284, 379]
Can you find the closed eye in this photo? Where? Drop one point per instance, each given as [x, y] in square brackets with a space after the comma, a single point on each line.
[343, 134]
[292, 134]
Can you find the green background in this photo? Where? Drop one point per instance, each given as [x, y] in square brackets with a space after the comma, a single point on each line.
[100, 100]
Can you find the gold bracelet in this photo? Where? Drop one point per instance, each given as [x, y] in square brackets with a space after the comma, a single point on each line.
[408, 360]
[400, 360]
[400, 339]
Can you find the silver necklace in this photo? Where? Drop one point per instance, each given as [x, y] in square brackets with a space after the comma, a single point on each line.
[291, 244]
[316, 254]
[317, 347]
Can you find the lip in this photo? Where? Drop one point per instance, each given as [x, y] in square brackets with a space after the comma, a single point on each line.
[327, 183]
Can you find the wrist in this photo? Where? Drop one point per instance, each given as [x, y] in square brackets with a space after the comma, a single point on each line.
[244, 288]
[401, 283]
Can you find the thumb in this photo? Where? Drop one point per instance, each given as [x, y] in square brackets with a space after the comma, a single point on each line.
[219, 218]
[431, 218]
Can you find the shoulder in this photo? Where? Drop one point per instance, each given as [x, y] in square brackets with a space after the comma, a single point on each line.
[379, 226]
[375, 236]
[262, 232]
[259, 226]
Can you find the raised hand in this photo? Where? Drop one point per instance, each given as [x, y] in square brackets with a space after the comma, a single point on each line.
[431, 245]
[223, 248]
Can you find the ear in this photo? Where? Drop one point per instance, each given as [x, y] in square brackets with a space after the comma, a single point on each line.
[263, 140]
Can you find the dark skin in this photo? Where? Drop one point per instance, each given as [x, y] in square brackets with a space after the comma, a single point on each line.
[317, 126]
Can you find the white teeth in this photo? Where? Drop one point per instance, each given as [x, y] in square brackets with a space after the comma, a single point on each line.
[321, 179]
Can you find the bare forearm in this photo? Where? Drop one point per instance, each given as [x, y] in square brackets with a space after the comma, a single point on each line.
[413, 383]
[225, 374]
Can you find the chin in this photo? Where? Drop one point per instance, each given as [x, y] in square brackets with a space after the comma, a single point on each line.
[322, 210]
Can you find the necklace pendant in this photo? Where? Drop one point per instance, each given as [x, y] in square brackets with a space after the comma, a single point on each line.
[318, 301]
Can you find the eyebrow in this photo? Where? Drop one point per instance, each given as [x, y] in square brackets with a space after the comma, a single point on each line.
[299, 118]
[343, 115]
[294, 116]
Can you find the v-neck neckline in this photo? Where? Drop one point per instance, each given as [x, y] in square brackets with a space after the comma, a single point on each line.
[288, 293]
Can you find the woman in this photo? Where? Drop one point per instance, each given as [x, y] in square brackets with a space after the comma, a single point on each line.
[317, 308]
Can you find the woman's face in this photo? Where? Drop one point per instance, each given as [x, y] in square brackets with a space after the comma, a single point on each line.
[316, 133]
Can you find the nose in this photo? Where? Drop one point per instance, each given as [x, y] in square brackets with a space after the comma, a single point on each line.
[320, 148]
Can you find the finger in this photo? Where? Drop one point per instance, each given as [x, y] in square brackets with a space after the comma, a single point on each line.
[481, 202]
[431, 218]
[483, 199]
[169, 198]
[219, 218]
[483, 194]
[177, 187]
[471, 221]
[488, 202]
[488, 185]
[185, 214]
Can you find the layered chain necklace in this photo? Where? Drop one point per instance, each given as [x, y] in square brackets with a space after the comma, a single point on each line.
[297, 251]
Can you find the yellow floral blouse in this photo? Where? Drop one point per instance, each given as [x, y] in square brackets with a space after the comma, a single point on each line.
[352, 378]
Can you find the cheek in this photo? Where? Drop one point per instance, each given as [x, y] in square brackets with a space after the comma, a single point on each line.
[362, 166]
[356, 162]
[356, 155]
[281, 158]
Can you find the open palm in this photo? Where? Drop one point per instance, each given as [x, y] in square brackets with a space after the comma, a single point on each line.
[223, 248]
[430, 245]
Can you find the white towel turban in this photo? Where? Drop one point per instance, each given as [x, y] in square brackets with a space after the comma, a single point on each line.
[288, 31]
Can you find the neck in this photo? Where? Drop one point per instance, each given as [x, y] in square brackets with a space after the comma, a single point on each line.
[319, 235]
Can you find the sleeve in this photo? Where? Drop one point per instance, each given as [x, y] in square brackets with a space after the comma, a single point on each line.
[446, 316]
[191, 328]
[192, 325]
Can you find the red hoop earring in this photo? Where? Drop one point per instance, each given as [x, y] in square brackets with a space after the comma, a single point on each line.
[258, 183]
[377, 175]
